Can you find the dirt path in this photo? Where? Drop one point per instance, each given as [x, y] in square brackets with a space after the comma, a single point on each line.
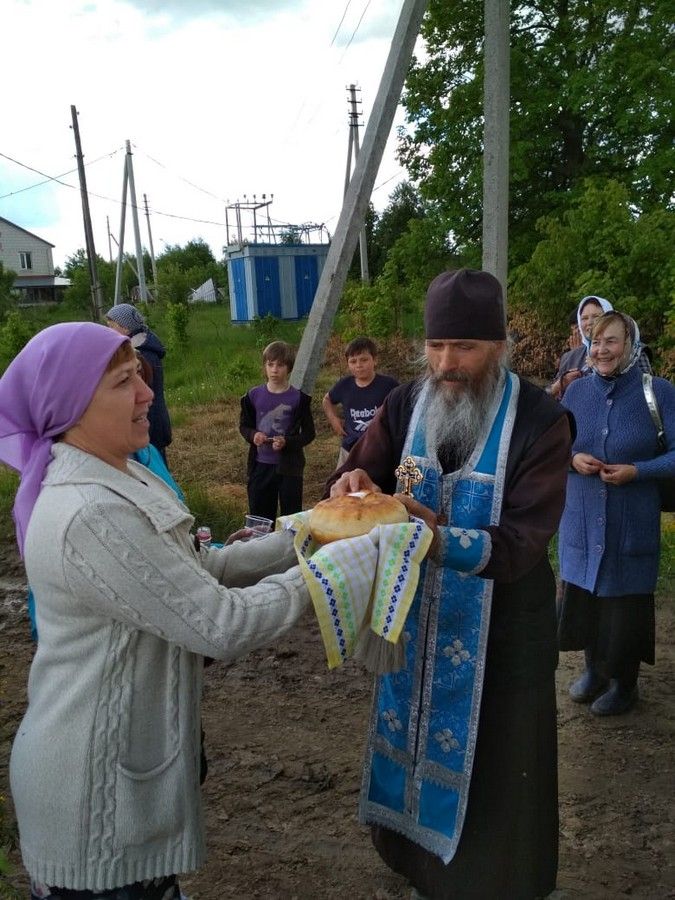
[285, 737]
[285, 742]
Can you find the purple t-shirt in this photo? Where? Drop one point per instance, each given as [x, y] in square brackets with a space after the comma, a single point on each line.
[359, 404]
[274, 415]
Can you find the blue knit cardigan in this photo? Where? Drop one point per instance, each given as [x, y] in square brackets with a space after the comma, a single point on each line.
[610, 535]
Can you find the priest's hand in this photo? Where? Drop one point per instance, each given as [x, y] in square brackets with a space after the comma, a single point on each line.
[428, 516]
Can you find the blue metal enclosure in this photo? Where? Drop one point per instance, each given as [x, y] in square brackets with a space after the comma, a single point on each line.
[273, 279]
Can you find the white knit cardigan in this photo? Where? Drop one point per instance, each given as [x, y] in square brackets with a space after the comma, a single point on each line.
[105, 764]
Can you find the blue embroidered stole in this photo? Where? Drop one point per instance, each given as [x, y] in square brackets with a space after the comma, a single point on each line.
[424, 719]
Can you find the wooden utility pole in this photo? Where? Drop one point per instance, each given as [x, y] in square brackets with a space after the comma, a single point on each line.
[354, 126]
[95, 287]
[353, 214]
[496, 97]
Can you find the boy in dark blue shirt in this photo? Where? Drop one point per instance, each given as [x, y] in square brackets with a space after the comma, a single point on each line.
[360, 394]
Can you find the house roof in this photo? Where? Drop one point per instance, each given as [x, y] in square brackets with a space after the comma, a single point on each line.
[25, 231]
[40, 281]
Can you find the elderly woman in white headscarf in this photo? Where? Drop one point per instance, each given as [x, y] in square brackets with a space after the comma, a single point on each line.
[575, 363]
[610, 529]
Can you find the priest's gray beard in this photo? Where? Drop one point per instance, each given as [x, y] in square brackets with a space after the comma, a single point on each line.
[455, 418]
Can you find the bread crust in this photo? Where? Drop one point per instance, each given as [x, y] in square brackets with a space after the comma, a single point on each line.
[354, 514]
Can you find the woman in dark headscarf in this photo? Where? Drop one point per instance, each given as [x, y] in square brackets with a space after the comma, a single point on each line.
[610, 530]
[126, 319]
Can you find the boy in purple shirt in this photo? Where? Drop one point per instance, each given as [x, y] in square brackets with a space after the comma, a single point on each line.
[276, 420]
[361, 393]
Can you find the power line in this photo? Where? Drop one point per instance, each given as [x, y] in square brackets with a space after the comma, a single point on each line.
[102, 196]
[180, 177]
[376, 188]
[341, 21]
[319, 103]
[382, 183]
[358, 25]
[49, 178]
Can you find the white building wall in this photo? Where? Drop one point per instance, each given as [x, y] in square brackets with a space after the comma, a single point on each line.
[14, 241]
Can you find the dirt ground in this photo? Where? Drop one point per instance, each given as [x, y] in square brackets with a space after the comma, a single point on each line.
[285, 741]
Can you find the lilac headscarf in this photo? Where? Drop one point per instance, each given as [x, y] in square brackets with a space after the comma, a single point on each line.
[44, 391]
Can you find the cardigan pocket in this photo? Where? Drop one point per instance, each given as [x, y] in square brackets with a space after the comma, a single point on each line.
[149, 806]
[150, 773]
[150, 727]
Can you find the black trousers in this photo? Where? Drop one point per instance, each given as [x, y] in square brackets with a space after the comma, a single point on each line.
[267, 490]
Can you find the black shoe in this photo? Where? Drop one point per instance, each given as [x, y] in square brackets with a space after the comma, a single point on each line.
[587, 687]
[616, 701]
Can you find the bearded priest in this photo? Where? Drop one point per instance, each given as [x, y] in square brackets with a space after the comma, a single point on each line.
[460, 777]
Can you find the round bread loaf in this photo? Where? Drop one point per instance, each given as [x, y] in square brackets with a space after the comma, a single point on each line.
[354, 514]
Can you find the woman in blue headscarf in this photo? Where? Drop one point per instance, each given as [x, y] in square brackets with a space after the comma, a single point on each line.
[610, 530]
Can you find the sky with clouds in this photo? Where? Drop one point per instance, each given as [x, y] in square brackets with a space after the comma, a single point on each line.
[219, 98]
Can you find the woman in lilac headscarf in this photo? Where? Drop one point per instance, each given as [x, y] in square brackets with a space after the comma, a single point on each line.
[105, 764]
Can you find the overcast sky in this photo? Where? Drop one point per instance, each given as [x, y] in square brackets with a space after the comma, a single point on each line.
[239, 97]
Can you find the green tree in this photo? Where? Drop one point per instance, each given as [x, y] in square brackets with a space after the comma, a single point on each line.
[404, 205]
[78, 295]
[180, 269]
[601, 245]
[591, 94]
[7, 298]
[393, 303]
[196, 254]
[175, 283]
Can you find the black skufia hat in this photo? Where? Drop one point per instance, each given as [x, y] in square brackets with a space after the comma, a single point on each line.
[464, 304]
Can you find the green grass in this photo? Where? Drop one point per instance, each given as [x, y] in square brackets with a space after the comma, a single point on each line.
[223, 515]
[9, 481]
[665, 586]
[220, 360]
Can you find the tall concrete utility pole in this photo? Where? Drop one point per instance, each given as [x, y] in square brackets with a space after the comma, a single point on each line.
[354, 126]
[95, 287]
[353, 214]
[120, 243]
[152, 250]
[496, 97]
[142, 289]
